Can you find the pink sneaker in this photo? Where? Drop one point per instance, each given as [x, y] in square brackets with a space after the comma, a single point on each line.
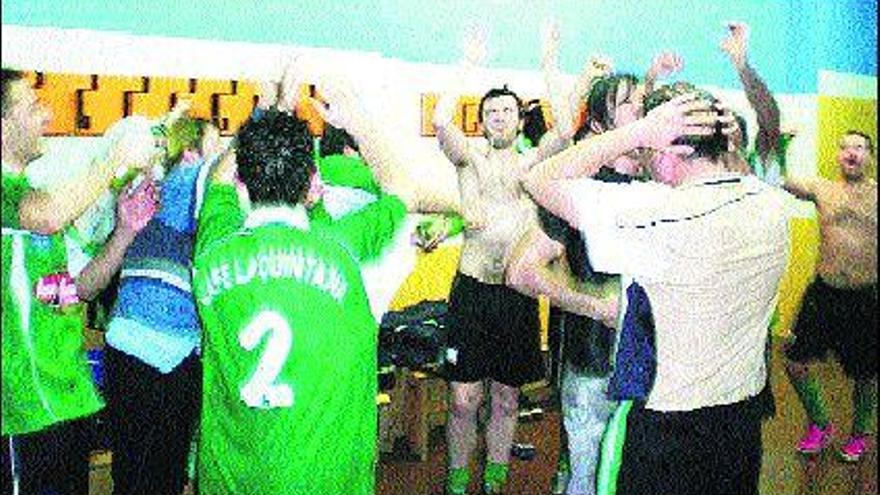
[854, 448]
[816, 439]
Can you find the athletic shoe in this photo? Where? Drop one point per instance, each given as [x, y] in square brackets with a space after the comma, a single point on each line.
[816, 439]
[560, 482]
[854, 448]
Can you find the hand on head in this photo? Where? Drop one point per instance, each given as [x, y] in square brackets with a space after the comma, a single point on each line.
[685, 115]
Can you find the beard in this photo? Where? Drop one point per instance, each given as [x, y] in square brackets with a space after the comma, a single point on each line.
[500, 142]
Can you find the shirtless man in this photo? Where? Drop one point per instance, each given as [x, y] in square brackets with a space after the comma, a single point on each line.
[494, 335]
[840, 307]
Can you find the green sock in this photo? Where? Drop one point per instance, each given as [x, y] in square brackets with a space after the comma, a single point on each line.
[457, 480]
[865, 400]
[810, 393]
[564, 464]
[494, 476]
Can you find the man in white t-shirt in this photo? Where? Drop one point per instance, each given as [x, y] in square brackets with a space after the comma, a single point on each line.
[701, 252]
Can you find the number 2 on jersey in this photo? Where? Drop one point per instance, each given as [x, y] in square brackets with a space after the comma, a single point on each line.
[261, 391]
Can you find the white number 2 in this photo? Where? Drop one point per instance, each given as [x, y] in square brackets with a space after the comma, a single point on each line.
[261, 391]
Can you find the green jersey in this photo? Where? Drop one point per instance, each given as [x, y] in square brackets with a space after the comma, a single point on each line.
[46, 378]
[289, 349]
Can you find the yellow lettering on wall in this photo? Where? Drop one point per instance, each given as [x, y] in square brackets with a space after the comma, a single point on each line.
[234, 109]
[203, 95]
[58, 93]
[158, 97]
[466, 115]
[104, 104]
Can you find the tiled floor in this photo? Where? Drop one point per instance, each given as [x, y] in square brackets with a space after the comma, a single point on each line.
[784, 472]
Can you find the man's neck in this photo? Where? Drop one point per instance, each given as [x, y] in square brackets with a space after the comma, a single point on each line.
[853, 182]
[701, 169]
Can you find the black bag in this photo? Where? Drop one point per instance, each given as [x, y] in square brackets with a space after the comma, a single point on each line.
[415, 337]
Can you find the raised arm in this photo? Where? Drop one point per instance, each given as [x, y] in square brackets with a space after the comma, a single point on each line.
[343, 109]
[597, 66]
[802, 187]
[134, 209]
[735, 45]
[559, 136]
[221, 212]
[663, 65]
[529, 272]
[49, 211]
[452, 140]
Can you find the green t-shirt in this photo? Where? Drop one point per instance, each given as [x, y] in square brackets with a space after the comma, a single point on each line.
[342, 171]
[46, 378]
[289, 350]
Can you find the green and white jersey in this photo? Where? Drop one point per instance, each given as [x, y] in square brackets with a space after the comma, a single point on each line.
[46, 378]
[289, 349]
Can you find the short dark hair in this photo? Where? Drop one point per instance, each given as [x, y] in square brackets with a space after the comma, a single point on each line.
[9, 76]
[335, 140]
[534, 125]
[571, 239]
[853, 132]
[601, 102]
[497, 93]
[711, 146]
[274, 157]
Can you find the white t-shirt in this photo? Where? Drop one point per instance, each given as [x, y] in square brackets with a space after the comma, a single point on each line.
[710, 256]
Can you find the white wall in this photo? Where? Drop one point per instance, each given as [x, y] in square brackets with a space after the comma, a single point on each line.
[391, 88]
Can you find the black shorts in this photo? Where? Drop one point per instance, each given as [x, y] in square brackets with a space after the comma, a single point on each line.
[52, 460]
[841, 320]
[709, 451]
[494, 332]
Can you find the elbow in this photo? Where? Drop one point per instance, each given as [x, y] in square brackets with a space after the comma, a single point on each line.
[520, 276]
[42, 225]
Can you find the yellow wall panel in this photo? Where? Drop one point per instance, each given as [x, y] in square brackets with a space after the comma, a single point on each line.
[799, 273]
[836, 116]
[59, 93]
[104, 104]
[431, 278]
[159, 99]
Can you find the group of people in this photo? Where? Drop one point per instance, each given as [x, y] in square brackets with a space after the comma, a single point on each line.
[242, 325]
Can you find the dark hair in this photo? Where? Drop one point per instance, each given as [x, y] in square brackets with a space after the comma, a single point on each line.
[534, 126]
[602, 100]
[853, 132]
[335, 140]
[497, 93]
[274, 157]
[711, 146]
[743, 128]
[575, 249]
[9, 76]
